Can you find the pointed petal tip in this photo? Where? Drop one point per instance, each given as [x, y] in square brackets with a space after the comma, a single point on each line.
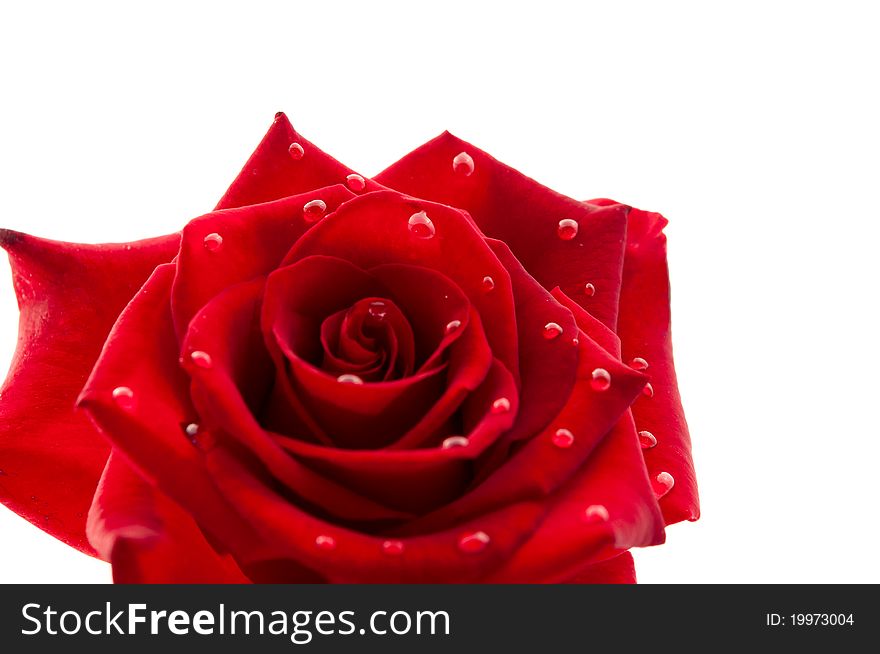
[9, 238]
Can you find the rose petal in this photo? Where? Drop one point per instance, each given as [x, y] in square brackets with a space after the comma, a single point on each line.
[272, 173]
[616, 570]
[148, 538]
[69, 295]
[525, 215]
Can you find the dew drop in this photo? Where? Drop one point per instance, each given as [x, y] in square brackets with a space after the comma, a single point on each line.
[638, 364]
[648, 390]
[488, 284]
[124, 397]
[463, 164]
[296, 151]
[647, 440]
[420, 225]
[454, 442]
[452, 326]
[473, 542]
[589, 290]
[662, 484]
[356, 182]
[567, 229]
[314, 210]
[350, 379]
[325, 542]
[501, 405]
[600, 379]
[201, 359]
[596, 513]
[192, 430]
[563, 438]
[552, 330]
[213, 242]
[377, 310]
[393, 547]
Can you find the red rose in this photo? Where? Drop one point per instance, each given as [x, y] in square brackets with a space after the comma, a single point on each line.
[466, 378]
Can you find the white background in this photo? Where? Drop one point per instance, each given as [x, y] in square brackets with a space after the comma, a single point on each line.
[753, 129]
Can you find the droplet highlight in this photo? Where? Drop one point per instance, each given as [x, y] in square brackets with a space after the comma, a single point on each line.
[420, 225]
[296, 151]
[350, 379]
[638, 364]
[563, 438]
[325, 542]
[647, 440]
[552, 330]
[124, 397]
[463, 164]
[596, 513]
[201, 359]
[648, 390]
[600, 379]
[377, 310]
[213, 242]
[313, 211]
[454, 442]
[452, 326]
[473, 542]
[501, 405]
[589, 290]
[356, 182]
[488, 284]
[192, 430]
[393, 547]
[662, 484]
[567, 229]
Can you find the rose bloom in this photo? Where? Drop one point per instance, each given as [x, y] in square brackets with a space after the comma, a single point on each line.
[446, 373]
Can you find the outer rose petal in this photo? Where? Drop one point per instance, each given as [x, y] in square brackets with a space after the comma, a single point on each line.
[69, 294]
[148, 538]
[515, 209]
[645, 332]
[618, 570]
[272, 173]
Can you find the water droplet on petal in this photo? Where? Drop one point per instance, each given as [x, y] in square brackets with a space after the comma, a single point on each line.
[377, 310]
[325, 542]
[589, 290]
[350, 379]
[296, 151]
[600, 379]
[473, 542]
[452, 325]
[314, 210]
[201, 359]
[638, 364]
[124, 397]
[356, 182]
[567, 229]
[647, 440]
[455, 441]
[563, 438]
[463, 164]
[213, 242]
[596, 513]
[501, 405]
[421, 225]
[552, 330]
[488, 283]
[662, 484]
[648, 390]
[393, 547]
[192, 429]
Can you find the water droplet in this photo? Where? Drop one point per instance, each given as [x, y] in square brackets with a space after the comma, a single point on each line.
[393, 547]
[124, 397]
[648, 390]
[567, 229]
[421, 225]
[662, 484]
[589, 290]
[596, 513]
[501, 405]
[638, 364]
[473, 542]
[563, 438]
[350, 379]
[201, 359]
[647, 440]
[488, 283]
[377, 310]
[356, 182]
[192, 429]
[213, 241]
[575, 341]
[455, 441]
[314, 210]
[600, 379]
[296, 151]
[325, 542]
[452, 325]
[552, 330]
[463, 164]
